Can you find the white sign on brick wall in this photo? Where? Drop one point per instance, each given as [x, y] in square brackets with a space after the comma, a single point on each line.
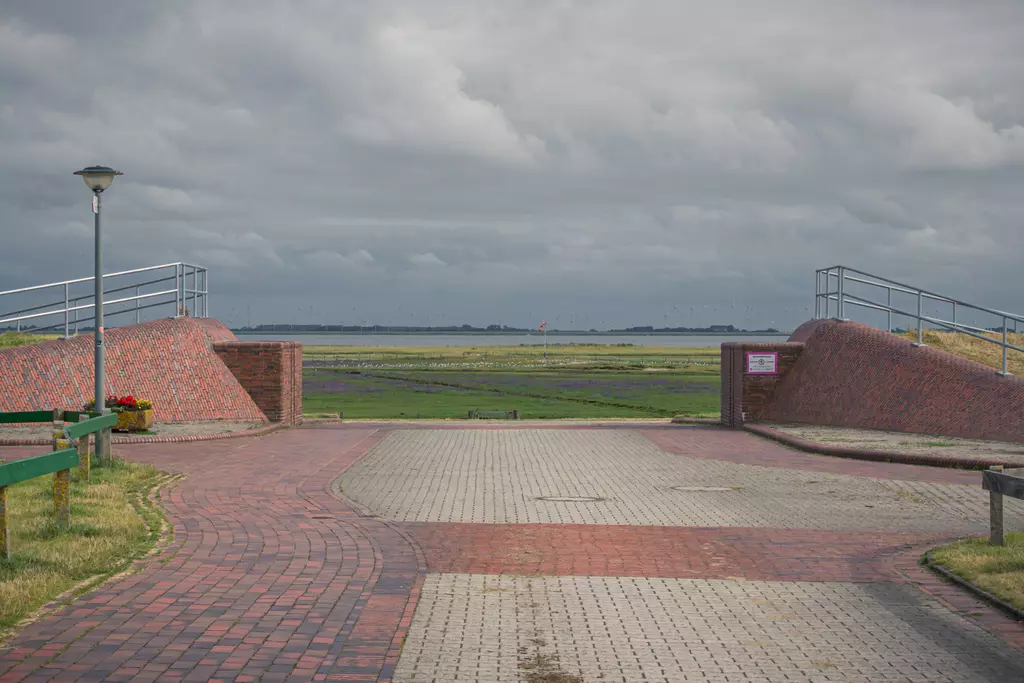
[762, 362]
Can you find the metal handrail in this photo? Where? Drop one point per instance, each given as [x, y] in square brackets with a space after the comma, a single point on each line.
[198, 290]
[841, 275]
[93, 277]
[910, 289]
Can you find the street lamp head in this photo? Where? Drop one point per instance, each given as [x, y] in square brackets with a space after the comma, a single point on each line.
[98, 178]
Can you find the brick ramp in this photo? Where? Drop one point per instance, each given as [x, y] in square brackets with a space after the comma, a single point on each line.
[171, 362]
[852, 375]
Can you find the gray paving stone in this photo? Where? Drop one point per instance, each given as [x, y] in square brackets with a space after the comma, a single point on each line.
[497, 477]
[485, 627]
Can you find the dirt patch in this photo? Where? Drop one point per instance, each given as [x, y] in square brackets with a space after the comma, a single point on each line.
[540, 667]
[904, 442]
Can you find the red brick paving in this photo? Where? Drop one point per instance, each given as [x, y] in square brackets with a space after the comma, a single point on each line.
[664, 552]
[255, 585]
[272, 578]
[716, 443]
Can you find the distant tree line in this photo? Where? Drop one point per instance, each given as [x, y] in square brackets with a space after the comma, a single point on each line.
[492, 329]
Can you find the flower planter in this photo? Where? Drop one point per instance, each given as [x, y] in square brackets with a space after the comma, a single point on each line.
[134, 420]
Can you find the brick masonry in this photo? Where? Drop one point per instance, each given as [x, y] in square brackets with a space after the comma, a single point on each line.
[744, 396]
[171, 362]
[272, 374]
[852, 375]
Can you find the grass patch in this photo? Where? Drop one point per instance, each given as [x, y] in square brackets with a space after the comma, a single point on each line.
[976, 349]
[536, 393]
[11, 339]
[998, 570]
[572, 381]
[112, 523]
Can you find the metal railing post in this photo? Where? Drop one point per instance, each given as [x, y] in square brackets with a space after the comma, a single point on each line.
[1004, 373]
[954, 312]
[177, 291]
[76, 316]
[840, 308]
[206, 293]
[817, 294]
[920, 332]
[137, 309]
[67, 322]
[889, 304]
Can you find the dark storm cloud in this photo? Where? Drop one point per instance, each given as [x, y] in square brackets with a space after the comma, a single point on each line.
[517, 160]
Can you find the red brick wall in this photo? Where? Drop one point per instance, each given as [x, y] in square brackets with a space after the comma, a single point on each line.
[272, 374]
[852, 375]
[744, 396]
[171, 362]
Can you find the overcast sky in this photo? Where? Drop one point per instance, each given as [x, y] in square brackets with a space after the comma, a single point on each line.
[622, 163]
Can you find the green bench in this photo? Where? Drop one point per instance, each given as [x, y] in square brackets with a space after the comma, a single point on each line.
[494, 414]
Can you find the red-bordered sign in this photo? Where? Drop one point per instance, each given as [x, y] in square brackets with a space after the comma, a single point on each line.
[762, 362]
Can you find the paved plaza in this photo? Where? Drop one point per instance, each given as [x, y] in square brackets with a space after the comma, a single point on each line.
[544, 554]
[621, 477]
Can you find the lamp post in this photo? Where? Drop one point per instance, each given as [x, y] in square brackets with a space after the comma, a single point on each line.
[98, 179]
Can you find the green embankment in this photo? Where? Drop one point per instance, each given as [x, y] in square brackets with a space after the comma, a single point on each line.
[12, 339]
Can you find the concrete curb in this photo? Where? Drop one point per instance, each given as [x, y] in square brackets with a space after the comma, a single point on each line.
[696, 421]
[976, 590]
[259, 431]
[873, 455]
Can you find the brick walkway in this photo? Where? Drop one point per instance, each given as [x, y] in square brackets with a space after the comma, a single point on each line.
[366, 553]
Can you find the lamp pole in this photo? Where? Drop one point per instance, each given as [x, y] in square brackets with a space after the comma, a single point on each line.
[100, 393]
[98, 179]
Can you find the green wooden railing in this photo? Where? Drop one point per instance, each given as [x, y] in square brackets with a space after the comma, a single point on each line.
[66, 454]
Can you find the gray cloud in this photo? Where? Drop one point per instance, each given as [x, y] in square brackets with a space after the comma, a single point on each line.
[519, 160]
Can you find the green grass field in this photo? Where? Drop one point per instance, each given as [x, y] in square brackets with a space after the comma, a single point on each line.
[574, 381]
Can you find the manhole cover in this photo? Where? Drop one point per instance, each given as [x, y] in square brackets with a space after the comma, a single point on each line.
[708, 489]
[571, 499]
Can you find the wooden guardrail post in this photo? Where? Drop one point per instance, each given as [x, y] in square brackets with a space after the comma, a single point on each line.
[5, 529]
[61, 478]
[101, 440]
[995, 513]
[84, 462]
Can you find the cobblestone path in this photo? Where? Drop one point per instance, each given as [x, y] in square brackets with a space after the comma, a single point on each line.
[366, 553]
